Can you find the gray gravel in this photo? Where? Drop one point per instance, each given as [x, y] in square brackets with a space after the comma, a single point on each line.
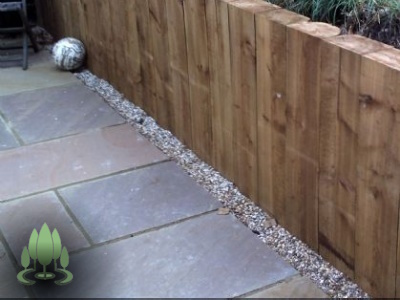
[299, 255]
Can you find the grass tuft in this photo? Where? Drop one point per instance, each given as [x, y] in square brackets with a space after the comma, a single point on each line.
[376, 19]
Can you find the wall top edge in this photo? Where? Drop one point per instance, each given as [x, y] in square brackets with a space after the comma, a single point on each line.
[316, 29]
[283, 16]
[389, 57]
[358, 44]
[253, 6]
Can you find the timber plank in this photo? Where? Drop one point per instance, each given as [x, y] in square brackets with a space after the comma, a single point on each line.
[244, 89]
[306, 72]
[271, 107]
[89, 17]
[65, 18]
[146, 56]
[107, 42]
[199, 77]
[158, 33]
[58, 20]
[378, 165]
[80, 30]
[97, 58]
[135, 86]
[119, 32]
[221, 86]
[179, 71]
[338, 180]
[74, 14]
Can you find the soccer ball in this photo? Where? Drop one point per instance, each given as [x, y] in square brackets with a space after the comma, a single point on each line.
[69, 54]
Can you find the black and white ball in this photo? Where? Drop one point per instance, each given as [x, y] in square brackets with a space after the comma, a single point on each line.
[69, 54]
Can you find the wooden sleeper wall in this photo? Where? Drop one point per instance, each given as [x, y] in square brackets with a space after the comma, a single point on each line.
[304, 121]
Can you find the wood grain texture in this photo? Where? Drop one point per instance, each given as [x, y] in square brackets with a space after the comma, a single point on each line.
[119, 35]
[244, 89]
[378, 166]
[271, 107]
[135, 86]
[307, 69]
[199, 77]
[146, 57]
[65, 18]
[87, 16]
[75, 9]
[337, 187]
[80, 28]
[221, 86]
[98, 38]
[181, 107]
[162, 83]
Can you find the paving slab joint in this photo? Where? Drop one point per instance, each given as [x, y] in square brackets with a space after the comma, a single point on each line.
[85, 181]
[266, 287]
[74, 218]
[139, 233]
[13, 131]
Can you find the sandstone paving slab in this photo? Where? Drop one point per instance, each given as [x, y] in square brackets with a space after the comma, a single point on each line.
[208, 256]
[14, 80]
[44, 166]
[296, 287]
[132, 202]
[7, 139]
[55, 112]
[18, 218]
[34, 59]
[9, 286]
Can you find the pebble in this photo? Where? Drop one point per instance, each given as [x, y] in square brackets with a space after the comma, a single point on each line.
[309, 263]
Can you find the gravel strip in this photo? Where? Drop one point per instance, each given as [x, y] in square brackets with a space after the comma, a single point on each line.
[310, 264]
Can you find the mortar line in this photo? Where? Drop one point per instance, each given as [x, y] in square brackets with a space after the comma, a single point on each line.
[14, 262]
[28, 144]
[69, 135]
[74, 218]
[268, 286]
[13, 131]
[143, 232]
[88, 180]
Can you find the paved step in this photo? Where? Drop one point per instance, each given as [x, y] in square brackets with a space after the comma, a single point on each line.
[56, 112]
[209, 256]
[44, 166]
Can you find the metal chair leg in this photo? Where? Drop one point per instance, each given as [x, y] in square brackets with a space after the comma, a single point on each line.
[20, 7]
[28, 30]
[25, 52]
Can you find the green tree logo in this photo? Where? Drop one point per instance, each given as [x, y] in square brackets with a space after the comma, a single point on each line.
[44, 248]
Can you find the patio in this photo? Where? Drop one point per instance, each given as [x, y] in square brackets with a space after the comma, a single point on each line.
[135, 224]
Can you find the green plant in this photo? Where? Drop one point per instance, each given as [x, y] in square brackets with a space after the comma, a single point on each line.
[377, 19]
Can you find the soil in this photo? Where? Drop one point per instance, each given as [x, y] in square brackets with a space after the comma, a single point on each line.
[378, 27]
[381, 24]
